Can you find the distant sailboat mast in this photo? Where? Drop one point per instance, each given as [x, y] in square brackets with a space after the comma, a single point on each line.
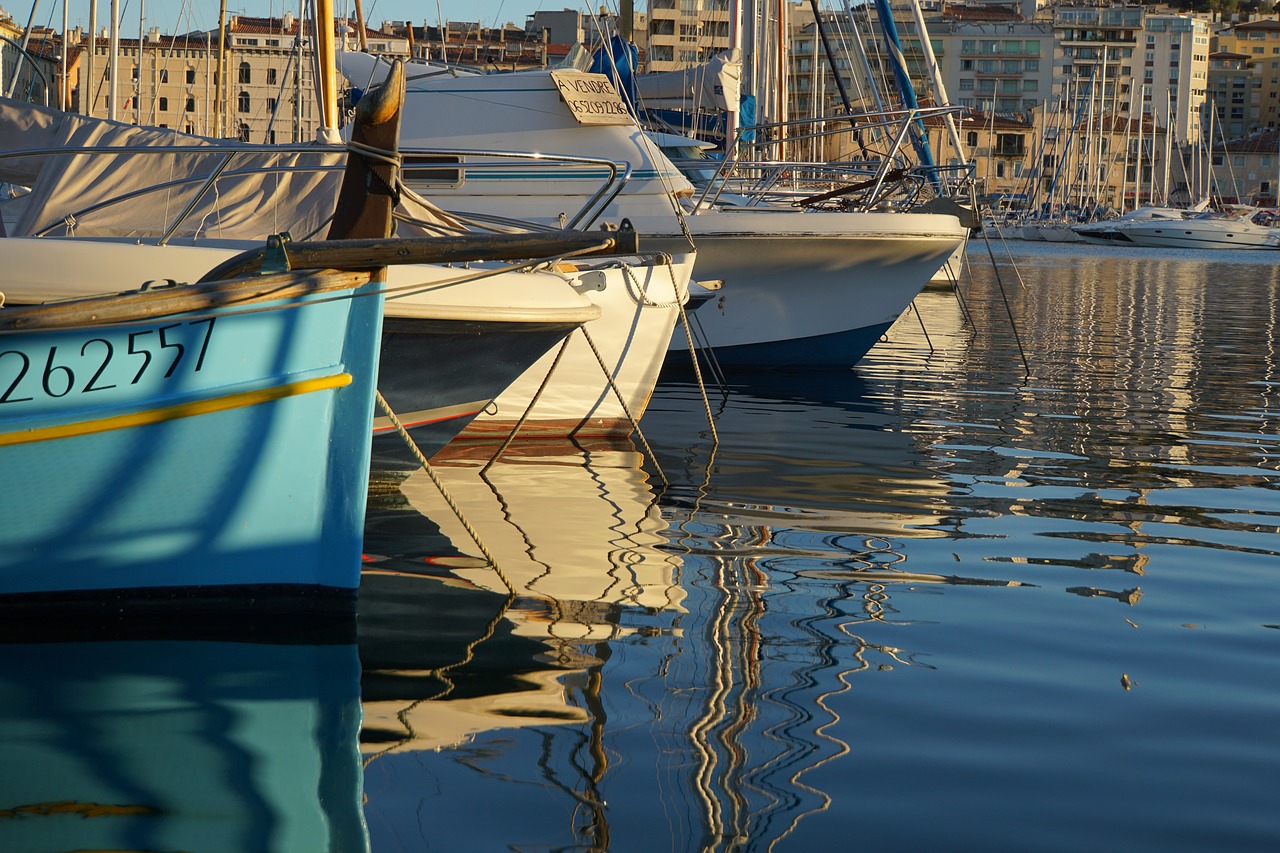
[113, 61]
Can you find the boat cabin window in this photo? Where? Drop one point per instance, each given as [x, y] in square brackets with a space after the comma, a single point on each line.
[422, 169]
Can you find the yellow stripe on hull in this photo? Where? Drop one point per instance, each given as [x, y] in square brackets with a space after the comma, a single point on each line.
[239, 400]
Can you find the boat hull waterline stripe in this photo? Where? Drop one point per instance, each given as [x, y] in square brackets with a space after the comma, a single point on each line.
[413, 420]
[238, 400]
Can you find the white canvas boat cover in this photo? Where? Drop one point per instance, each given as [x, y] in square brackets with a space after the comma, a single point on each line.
[262, 192]
[714, 85]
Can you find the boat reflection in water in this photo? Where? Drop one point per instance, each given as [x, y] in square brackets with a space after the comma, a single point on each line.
[632, 686]
[574, 527]
[462, 673]
[115, 742]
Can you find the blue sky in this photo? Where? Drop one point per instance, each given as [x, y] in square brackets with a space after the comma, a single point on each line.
[181, 15]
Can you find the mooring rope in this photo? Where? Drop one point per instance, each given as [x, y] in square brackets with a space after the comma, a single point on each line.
[635, 424]
[444, 493]
[697, 373]
[515, 430]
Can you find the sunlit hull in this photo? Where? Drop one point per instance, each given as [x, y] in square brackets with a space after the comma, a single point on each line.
[217, 452]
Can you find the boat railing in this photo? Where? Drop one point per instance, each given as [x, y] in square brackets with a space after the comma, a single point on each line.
[206, 167]
[756, 168]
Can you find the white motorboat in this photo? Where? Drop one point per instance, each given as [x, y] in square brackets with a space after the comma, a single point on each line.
[802, 287]
[1241, 228]
[1115, 232]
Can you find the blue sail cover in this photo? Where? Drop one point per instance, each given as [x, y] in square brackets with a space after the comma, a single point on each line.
[747, 117]
[906, 90]
[618, 63]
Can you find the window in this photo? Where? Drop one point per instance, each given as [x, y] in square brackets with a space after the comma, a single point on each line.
[191, 76]
[971, 139]
[164, 75]
[966, 84]
[164, 105]
[420, 169]
[244, 132]
[271, 105]
[1031, 65]
[966, 65]
[271, 76]
[246, 76]
[191, 105]
[1010, 144]
[244, 102]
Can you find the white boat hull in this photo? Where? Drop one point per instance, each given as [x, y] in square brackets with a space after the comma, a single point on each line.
[1210, 234]
[811, 290]
[618, 355]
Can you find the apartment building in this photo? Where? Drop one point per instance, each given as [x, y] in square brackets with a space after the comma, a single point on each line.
[1260, 42]
[1131, 62]
[178, 81]
[1247, 170]
[31, 76]
[1003, 66]
[681, 33]
[1233, 90]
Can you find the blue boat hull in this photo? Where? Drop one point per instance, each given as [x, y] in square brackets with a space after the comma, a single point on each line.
[212, 454]
[834, 351]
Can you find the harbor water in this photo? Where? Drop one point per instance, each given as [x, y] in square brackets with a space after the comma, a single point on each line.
[1013, 583]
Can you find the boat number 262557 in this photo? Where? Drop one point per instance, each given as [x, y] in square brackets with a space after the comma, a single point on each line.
[98, 365]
